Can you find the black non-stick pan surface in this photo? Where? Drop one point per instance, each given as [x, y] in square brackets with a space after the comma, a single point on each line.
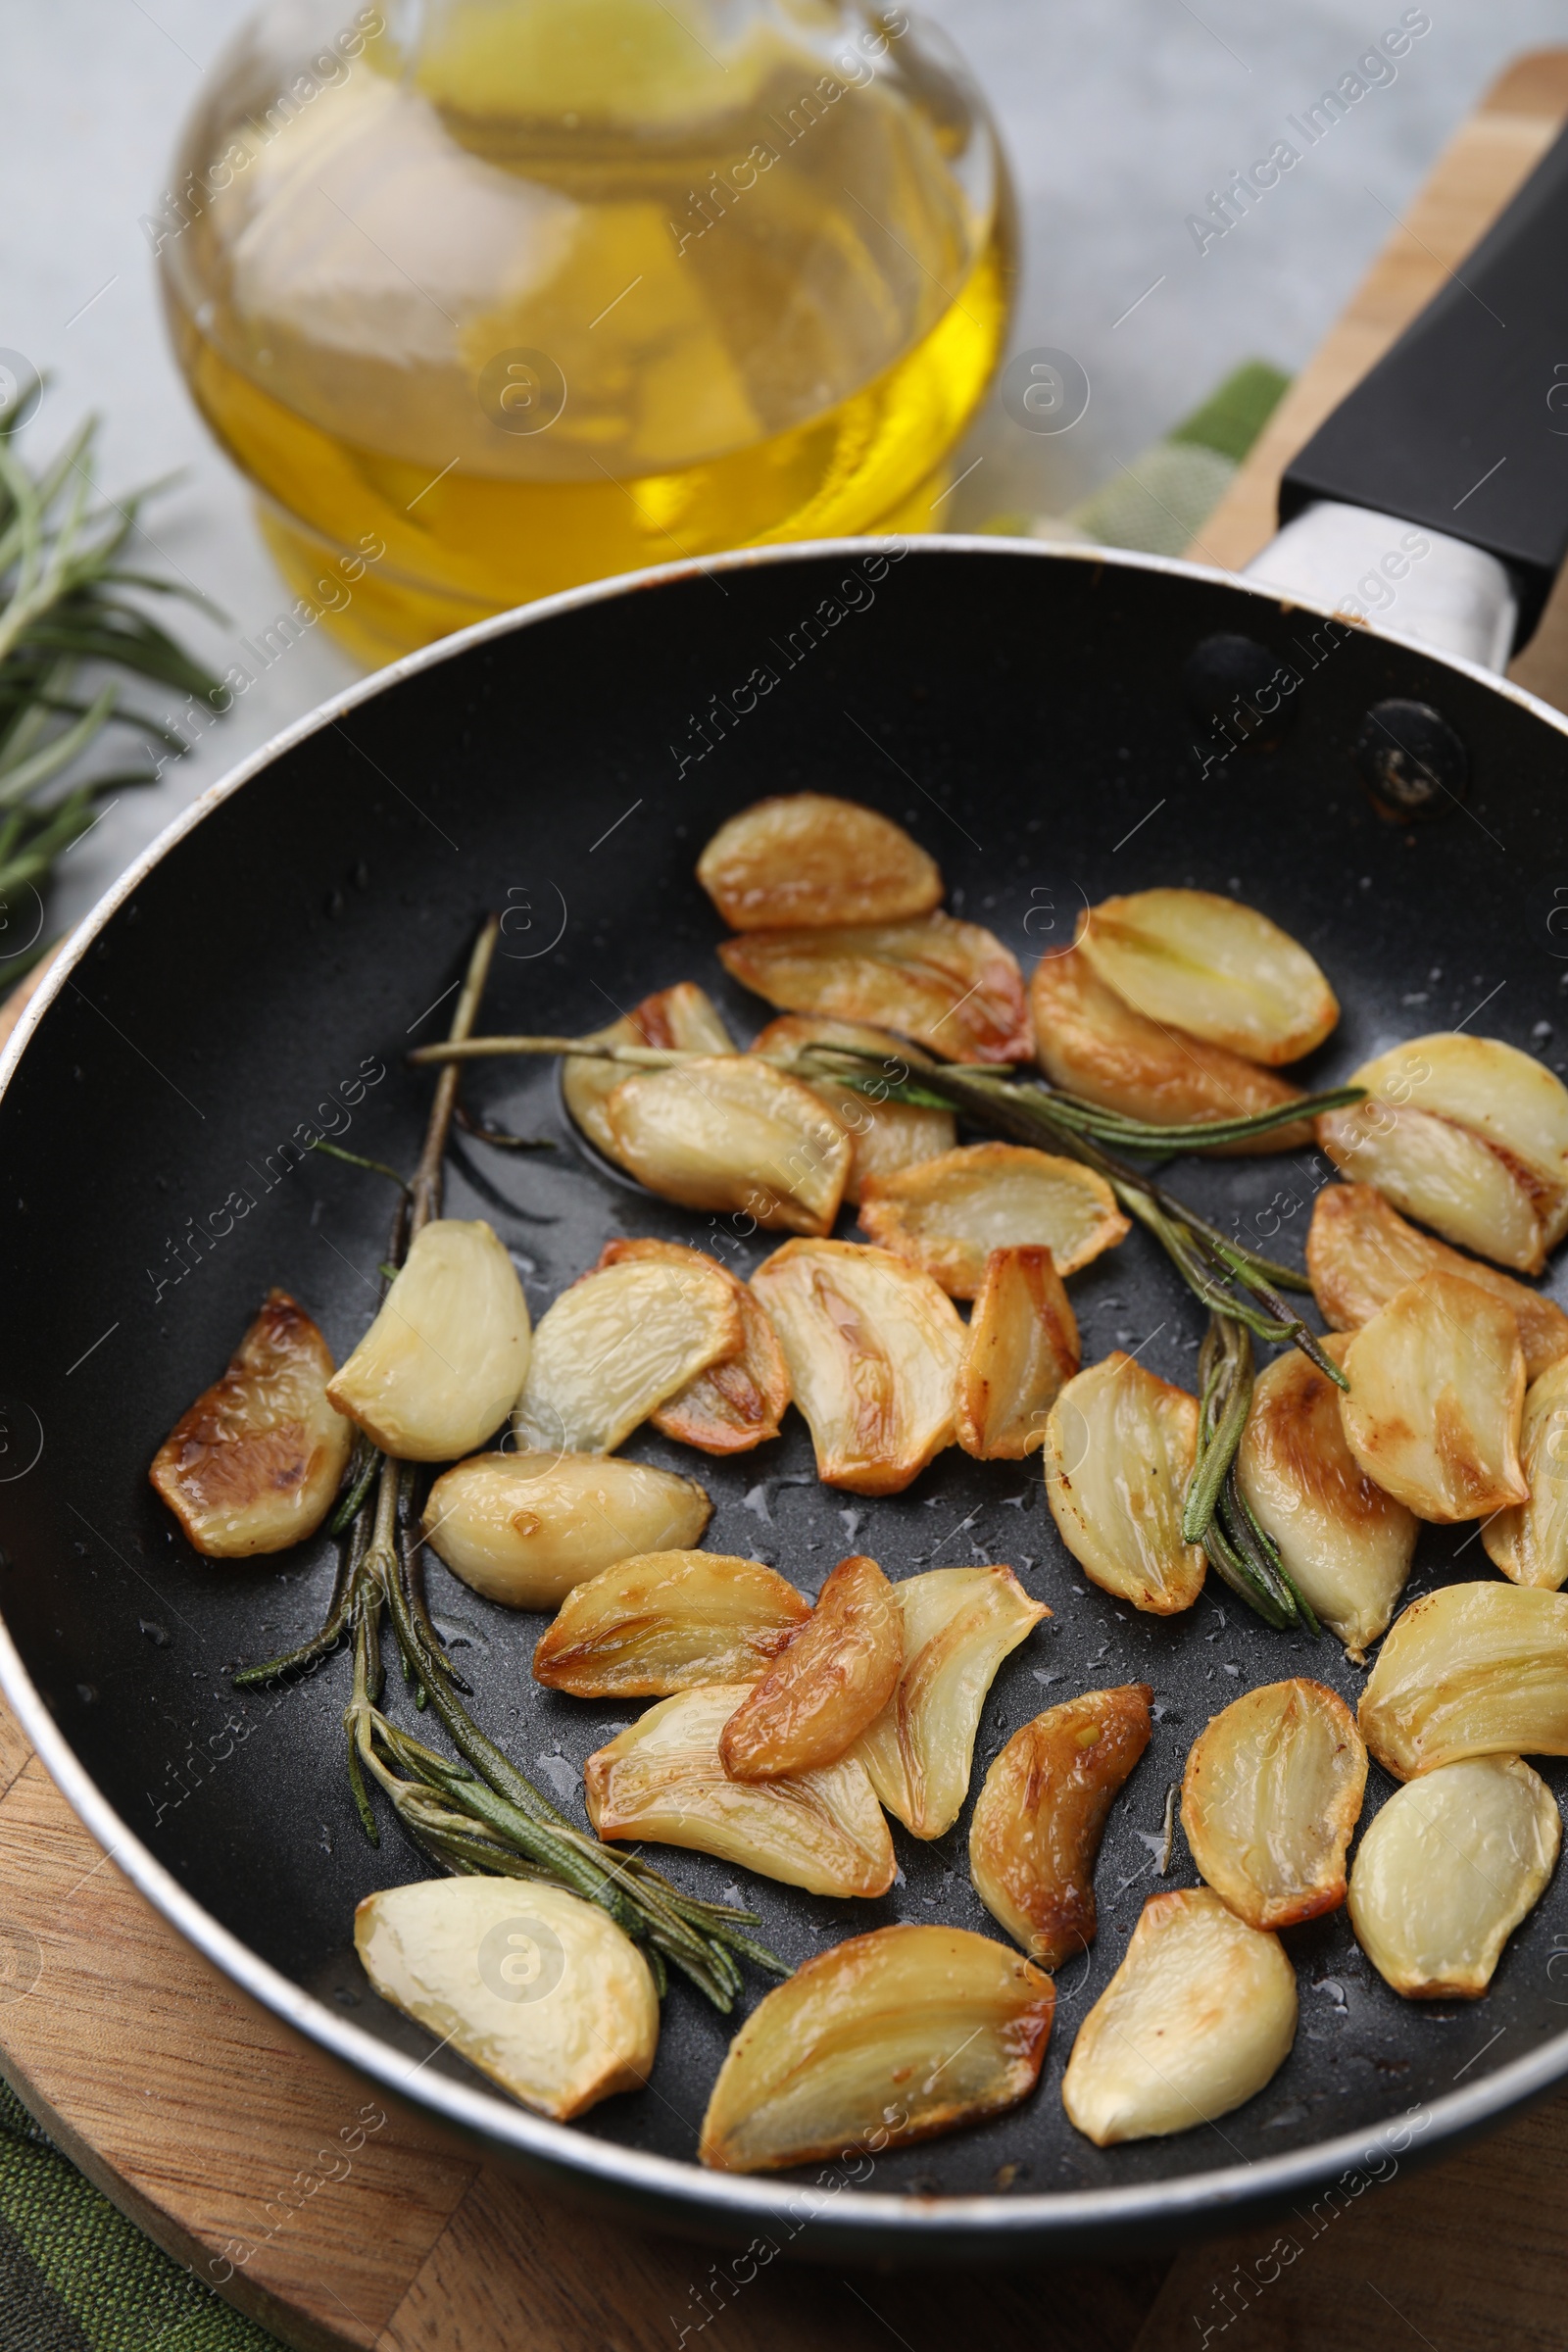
[1023, 714]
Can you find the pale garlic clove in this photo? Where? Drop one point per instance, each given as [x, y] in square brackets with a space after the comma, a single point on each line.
[1270, 1798]
[873, 1347]
[1360, 1250]
[443, 1363]
[1471, 1670]
[669, 1620]
[731, 1133]
[958, 1626]
[255, 1464]
[1436, 1399]
[535, 1987]
[887, 2038]
[1528, 1542]
[1210, 967]
[833, 1680]
[664, 1780]
[1090, 1042]
[524, 1528]
[951, 986]
[1509, 1099]
[733, 1405]
[1120, 1446]
[884, 1136]
[1446, 1176]
[1198, 2017]
[683, 1016]
[947, 1215]
[1040, 1816]
[1021, 1348]
[1448, 1870]
[616, 1344]
[1347, 1545]
[806, 858]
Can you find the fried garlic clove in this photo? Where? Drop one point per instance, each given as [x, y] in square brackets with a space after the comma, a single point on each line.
[669, 1620]
[665, 1780]
[958, 1626]
[1090, 1042]
[1472, 1670]
[1347, 1545]
[873, 1347]
[1270, 1799]
[1436, 1399]
[616, 1344]
[1528, 1542]
[1446, 1175]
[1040, 1816]
[1360, 1250]
[683, 1016]
[1120, 1446]
[731, 1133]
[524, 1528]
[951, 986]
[1199, 2015]
[1210, 967]
[807, 859]
[890, 2037]
[733, 1405]
[1448, 1870]
[443, 1363]
[884, 1136]
[833, 1679]
[535, 1987]
[1509, 1099]
[255, 1464]
[947, 1215]
[1021, 1346]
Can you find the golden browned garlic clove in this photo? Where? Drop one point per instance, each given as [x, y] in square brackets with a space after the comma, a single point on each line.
[884, 1136]
[873, 1347]
[1509, 1099]
[1199, 2015]
[255, 1464]
[731, 1133]
[1345, 1545]
[535, 1987]
[1038, 1819]
[443, 1363]
[1270, 1798]
[958, 1625]
[888, 2038]
[1436, 1394]
[524, 1528]
[669, 1620]
[1447, 1872]
[806, 858]
[1090, 1042]
[1444, 1175]
[947, 1216]
[1215, 968]
[1528, 1542]
[733, 1405]
[663, 1779]
[683, 1016]
[616, 1344]
[1022, 1344]
[951, 986]
[833, 1679]
[1120, 1446]
[1472, 1670]
[1359, 1252]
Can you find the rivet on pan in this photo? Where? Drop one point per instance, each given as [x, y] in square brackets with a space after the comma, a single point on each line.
[1410, 761]
[1239, 693]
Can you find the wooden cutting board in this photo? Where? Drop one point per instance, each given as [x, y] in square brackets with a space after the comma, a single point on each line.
[202, 2116]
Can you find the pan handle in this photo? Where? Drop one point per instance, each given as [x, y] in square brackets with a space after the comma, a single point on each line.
[1461, 430]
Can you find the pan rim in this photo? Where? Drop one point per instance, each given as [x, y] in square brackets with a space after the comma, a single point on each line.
[948, 2225]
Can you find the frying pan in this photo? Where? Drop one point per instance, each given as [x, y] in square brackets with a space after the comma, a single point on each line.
[1053, 725]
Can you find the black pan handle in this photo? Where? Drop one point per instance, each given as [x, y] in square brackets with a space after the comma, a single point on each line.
[1462, 427]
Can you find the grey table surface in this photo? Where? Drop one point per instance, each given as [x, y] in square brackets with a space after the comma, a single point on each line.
[1119, 116]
